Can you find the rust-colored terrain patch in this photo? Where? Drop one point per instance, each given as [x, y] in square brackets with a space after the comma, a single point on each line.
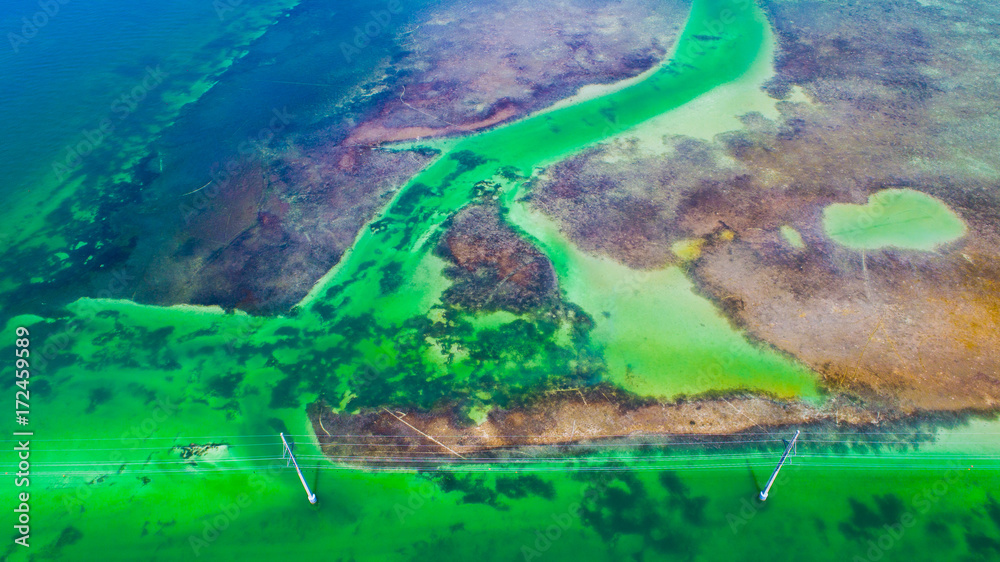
[472, 66]
[612, 200]
[902, 329]
[407, 438]
[260, 242]
[911, 332]
[495, 268]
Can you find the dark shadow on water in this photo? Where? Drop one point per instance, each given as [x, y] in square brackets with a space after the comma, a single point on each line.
[753, 478]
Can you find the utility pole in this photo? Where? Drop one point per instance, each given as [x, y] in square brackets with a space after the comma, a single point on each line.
[764, 492]
[288, 450]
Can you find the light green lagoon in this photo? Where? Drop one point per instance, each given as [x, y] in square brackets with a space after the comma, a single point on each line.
[893, 218]
[792, 236]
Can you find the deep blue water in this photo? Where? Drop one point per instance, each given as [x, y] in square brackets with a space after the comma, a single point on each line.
[142, 71]
[62, 78]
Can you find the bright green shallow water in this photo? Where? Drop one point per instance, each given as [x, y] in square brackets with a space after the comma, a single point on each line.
[655, 335]
[131, 381]
[893, 218]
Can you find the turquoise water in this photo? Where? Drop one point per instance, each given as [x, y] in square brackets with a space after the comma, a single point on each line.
[88, 89]
[121, 388]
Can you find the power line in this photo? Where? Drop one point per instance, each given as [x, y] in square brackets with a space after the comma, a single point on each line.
[525, 469]
[887, 461]
[859, 435]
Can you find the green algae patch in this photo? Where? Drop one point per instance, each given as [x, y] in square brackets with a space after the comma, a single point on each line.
[688, 249]
[493, 319]
[792, 236]
[893, 218]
